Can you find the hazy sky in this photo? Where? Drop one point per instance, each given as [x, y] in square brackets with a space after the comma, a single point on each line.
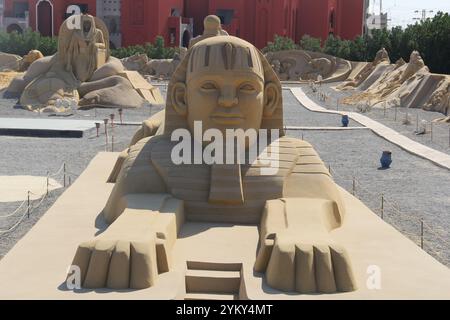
[402, 11]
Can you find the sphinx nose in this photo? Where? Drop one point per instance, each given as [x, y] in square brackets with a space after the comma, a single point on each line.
[228, 97]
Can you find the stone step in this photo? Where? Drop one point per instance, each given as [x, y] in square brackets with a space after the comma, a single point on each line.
[212, 281]
[210, 296]
[218, 266]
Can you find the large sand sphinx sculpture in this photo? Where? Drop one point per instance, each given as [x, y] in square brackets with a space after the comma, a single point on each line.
[225, 83]
[83, 71]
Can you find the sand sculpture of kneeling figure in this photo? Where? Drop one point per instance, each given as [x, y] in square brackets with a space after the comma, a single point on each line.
[82, 70]
[225, 83]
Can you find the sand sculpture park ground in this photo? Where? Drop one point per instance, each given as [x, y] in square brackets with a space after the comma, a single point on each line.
[171, 238]
[348, 152]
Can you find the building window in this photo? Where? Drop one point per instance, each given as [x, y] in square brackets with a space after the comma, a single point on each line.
[332, 19]
[172, 36]
[225, 15]
[19, 9]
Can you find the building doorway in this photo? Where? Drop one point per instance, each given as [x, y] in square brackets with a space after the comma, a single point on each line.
[44, 19]
[186, 38]
[14, 28]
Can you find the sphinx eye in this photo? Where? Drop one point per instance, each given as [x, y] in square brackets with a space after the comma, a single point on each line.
[247, 88]
[209, 86]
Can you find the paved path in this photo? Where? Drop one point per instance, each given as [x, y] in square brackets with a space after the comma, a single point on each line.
[45, 127]
[439, 158]
[325, 128]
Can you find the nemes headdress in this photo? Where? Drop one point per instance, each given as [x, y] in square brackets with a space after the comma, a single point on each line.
[222, 54]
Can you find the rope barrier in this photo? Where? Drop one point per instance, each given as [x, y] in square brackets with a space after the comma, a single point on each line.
[15, 225]
[396, 208]
[15, 211]
[57, 172]
[31, 208]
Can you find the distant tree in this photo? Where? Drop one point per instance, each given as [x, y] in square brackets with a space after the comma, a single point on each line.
[310, 43]
[280, 44]
[332, 45]
[156, 50]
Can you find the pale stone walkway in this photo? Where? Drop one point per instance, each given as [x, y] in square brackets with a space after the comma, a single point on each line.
[439, 158]
[325, 128]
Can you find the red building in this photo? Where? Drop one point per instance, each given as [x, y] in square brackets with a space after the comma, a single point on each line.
[138, 21]
[143, 20]
[44, 16]
[258, 21]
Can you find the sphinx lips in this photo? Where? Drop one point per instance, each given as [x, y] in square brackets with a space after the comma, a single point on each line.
[227, 118]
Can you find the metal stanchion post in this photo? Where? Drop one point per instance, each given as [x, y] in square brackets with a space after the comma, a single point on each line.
[395, 114]
[382, 206]
[417, 122]
[48, 182]
[106, 133]
[28, 209]
[431, 131]
[421, 233]
[64, 169]
[97, 126]
[120, 115]
[354, 186]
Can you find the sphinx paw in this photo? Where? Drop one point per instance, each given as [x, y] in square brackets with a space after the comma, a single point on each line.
[309, 268]
[117, 264]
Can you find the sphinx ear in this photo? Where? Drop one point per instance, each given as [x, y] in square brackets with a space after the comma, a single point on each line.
[271, 96]
[179, 98]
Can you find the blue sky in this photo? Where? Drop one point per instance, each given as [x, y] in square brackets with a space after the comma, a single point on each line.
[402, 11]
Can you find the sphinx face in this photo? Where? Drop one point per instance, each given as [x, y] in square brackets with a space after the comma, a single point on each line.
[229, 99]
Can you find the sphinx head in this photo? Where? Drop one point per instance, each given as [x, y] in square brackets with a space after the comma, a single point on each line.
[226, 83]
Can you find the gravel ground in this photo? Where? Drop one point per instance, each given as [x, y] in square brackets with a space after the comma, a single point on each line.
[356, 154]
[302, 117]
[417, 188]
[36, 156]
[441, 131]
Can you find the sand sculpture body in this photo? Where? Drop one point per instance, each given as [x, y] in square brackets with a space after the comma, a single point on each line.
[226, 83]
[300, 65]
[212, 28]
[382, 58]
[440, 99]
[402, 84]
[157, 68]
[83, 71]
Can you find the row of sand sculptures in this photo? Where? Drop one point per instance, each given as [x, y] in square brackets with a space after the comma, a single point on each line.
[379, 83]
[81, 74]
[84, 75]
[165, 68]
